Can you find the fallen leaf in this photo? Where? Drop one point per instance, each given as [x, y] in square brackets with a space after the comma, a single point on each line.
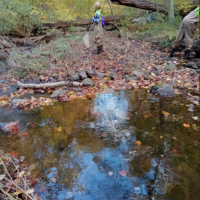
[123, 173]
[146, 116]
[174, 150]
[161, 136]
[2, 176]
[59, 129]
[138, 143]
[31, 167]
[14, 154]
[186, 125]
[54, 180]
[103, 135]
[17, 192]
[165, 113]
[11, 127]
[195, 118]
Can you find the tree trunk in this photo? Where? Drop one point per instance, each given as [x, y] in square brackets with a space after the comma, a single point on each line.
[142, 4]
[170, 10]
[79, 22]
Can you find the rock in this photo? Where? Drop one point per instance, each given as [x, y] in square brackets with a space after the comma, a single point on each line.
[112, 76]
[55, 75]
[52, 80]
[131, 78]
[146, 75]
[2, 125]
[71, 73]
[155, 72]
[76, 89]
[57, 92]
[163, 90]
[88, 81]
[82, 75]
[135, 73]
[75, 78]
[99, 74]
[155, 17]
[170, 65]
[90, 73]
[159, 68]
[140, 21]
[13, 88]
[34, 81]
[192, 65]
[16, 100]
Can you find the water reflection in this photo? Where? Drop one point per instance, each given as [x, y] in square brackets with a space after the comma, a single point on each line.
[79, 163]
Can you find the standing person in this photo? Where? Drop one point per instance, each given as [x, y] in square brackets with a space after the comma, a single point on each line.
[98, 29]
[186, 32]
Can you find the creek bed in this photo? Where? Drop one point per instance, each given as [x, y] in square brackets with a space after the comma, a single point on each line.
[86, 149]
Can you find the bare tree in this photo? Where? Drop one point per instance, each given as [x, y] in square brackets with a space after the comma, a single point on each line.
[170, 5]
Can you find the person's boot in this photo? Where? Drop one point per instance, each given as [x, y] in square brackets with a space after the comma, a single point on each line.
[172, 52]
[187, 54]
[99, 50]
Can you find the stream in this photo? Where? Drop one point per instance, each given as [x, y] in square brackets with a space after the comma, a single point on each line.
[86, 149]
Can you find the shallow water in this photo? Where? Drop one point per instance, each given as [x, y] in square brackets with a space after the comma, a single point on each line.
[88, 165]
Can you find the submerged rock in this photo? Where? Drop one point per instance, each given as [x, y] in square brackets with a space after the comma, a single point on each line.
[57, 92]
[88, 81]
[163, 90]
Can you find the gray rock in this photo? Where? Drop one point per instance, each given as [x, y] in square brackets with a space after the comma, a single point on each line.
[57, 92]
[155, 17]
[76, 89]
[13, 88]
[135, 73]
[155, 72]
[25, 80]
[146, 75]
[112, 76]
[131, 78]
[55, 75]
[159, 68]
[99, 74]
[82, 75]
[71, 73]
[16, 100]
[52, 80]
[90, 73]
[170, 65]
[88, 81]
[192, 65]
[140, 21]
[75, 78]
[163, 90]
[34, 81]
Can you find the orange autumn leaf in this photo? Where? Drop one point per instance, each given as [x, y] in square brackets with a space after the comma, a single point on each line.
[15, 129]
[174, 150]
[14, 154]
[138, 143]
[186, 125]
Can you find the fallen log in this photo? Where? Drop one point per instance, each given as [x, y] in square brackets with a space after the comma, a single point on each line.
[79, 22]
[51, 85]
[142, 4]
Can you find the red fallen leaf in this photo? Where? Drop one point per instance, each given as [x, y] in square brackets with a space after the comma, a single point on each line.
[22, 134]
[174, 150]
[9, 136]
[14, 154]
[15, 129]
[33, 180]
[103, 135]
[123, 173]
[9, 127]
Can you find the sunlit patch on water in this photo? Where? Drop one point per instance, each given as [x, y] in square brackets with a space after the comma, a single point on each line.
[123, 145]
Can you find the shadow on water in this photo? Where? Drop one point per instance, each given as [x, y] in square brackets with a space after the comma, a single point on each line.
[94, 156]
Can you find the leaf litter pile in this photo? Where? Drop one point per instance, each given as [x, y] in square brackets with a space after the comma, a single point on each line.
[124, 64]
[14, 181]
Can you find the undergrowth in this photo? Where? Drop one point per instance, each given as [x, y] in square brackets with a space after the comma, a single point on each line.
[47, 56]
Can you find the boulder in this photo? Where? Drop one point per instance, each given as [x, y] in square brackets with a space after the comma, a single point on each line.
[75, 78]
[170, 65]
[154, 16]
[193, 65]
[146, 75]
[90, 73]
[163, 90]
[140, 21]
[88, 81]
[71, 73]
[82, 75]
[57, 92]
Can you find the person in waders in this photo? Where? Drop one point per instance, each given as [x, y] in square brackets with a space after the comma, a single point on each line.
[98, 29]
[186, 32]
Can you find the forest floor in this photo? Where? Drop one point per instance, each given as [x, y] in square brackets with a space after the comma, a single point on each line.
[124, 64]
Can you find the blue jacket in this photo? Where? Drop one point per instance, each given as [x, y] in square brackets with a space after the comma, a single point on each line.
[97, 16]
